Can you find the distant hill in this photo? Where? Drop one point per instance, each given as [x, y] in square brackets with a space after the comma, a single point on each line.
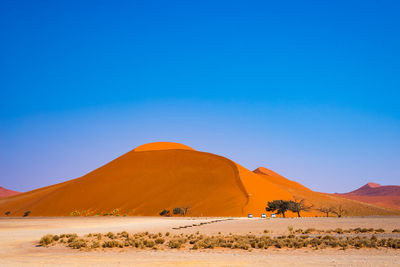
[7, 192]
[384, 196]
[165, 175]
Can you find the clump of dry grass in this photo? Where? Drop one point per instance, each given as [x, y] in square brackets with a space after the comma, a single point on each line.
[78, 243]
[357, 230]
[176, 243]
[46, 240]
[112, 244]
[309, 238]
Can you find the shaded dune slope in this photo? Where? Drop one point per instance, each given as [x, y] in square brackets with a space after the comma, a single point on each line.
[165, 175]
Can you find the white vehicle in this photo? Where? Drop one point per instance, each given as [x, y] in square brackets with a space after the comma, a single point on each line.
[263, 215]
[250, 215]
[273, 215]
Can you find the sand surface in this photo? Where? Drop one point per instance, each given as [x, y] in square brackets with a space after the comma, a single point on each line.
[19, 236]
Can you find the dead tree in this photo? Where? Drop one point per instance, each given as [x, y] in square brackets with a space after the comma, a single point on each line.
[326, 210]
[299, 205]
[339, 211]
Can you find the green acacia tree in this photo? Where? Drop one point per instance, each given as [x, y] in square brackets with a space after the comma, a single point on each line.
[280, 206]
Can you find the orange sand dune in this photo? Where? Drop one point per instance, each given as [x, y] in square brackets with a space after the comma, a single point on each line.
[4, 192]
[165, 175]
[319, 200]
[384, 196]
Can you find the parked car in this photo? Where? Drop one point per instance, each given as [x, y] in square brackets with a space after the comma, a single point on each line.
[250, 215]
[263, 215]
[273, 215]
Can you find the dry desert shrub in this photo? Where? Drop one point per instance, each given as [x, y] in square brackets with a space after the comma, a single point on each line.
[46, 240]
[75, 213]
[296, 240]
[78, 243]
[95, 244]
[112, 244]
[160, 241]
[176, 243]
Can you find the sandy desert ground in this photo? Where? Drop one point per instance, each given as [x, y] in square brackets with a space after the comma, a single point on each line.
[19, 242]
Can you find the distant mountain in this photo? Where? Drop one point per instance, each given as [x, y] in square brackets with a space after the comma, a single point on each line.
[384, 196]
[7, 192]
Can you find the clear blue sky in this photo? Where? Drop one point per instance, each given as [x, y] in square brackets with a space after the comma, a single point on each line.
[310, 89]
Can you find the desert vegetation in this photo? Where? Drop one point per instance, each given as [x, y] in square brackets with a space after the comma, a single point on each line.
[326, 210]
[298, 238]
[340, 211]
[181, 210]
[357, 230]
[75, 213]
[175, 211]
[299, 204]
[166, 213]
[282, 206]
[114, 212]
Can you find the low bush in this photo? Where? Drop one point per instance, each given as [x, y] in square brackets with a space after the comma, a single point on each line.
[249, 241]
[176, 243]
[160, 241]
[165, 213]
[46, 240]
[78, 243]
[110, 235]
[112, 244]
[95, 245]
[75, 213]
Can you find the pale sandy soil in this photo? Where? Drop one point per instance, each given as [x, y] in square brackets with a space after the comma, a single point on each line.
[19, 236]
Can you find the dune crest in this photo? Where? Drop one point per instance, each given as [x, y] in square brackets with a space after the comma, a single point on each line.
[161, 146]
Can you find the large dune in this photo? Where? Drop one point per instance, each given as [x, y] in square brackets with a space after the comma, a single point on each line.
[384, 196]
[165, 175]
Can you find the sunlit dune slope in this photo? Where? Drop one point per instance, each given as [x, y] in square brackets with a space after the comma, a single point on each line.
[144, 183]
[4, 192]
[318, 200]
[384, 196]
[165, 175]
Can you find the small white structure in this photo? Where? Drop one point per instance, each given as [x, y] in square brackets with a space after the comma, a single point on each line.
[273, 215]
[263, 215]
[250, 215]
